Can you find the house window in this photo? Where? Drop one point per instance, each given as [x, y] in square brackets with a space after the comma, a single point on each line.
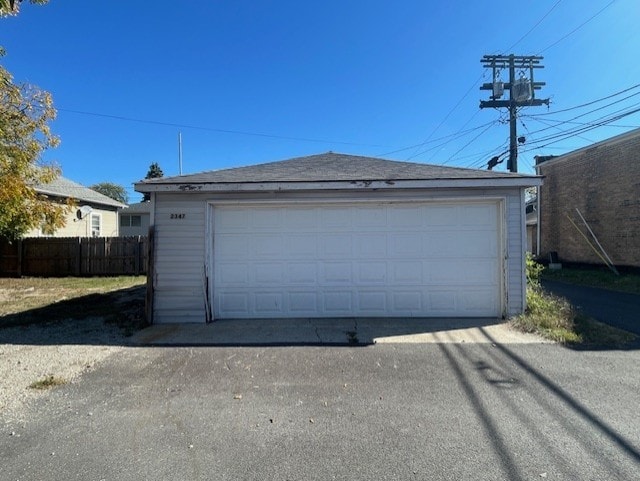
[130, 220]
[96, 222]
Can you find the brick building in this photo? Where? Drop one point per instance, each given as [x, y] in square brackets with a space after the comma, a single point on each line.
[602, 181]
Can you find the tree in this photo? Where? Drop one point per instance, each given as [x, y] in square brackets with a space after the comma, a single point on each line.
[114, 191]
[25, 112]
[154, 172]
[12, 7]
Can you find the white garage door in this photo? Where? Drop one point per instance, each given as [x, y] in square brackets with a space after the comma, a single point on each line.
[356, 260]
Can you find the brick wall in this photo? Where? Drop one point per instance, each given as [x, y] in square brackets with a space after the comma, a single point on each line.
[603, 181]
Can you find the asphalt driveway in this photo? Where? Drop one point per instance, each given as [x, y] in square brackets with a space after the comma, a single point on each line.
[454, 411]
[619, 309]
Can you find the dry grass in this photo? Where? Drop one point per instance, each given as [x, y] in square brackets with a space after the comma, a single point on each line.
[47, 383]
[554, 318]
[38, 300]
[24, 294]
[549, 316]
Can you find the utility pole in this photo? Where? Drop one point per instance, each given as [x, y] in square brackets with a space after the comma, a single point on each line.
[521, 93]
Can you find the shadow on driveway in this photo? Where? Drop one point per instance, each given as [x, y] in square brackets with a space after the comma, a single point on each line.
[505, 370]
[95, 319]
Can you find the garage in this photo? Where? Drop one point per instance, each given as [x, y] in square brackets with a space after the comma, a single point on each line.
[337, 235]
[354, 260]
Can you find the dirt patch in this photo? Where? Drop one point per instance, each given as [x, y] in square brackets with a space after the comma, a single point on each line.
[61, 329]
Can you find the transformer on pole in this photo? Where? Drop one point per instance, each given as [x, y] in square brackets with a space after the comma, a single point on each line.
[521, 88]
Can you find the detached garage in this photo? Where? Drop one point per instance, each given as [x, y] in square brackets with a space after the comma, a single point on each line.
[336, 235]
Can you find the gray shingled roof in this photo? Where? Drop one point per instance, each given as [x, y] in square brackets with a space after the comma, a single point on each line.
[65, 188]
[137, 208]
[330, 167]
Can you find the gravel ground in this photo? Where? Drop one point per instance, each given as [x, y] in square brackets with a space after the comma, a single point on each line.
[63, 349]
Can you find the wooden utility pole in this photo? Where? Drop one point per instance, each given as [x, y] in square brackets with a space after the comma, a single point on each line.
[521, 92]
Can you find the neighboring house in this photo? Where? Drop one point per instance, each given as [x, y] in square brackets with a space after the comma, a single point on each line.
[335, 235]
[94, 215]
[134, 220]
[602, 181]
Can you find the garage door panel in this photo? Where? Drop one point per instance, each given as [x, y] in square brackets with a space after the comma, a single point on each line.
[303, 302]
[371, 245]
[267, 273]
[407, 301]
[332, 217]
[302, 273]
[371, 217]
[478, 215]
[302, 245]
[234, 302]
[267, 303]
[336, 273]
[406, 245]
[462, 271]
[372, 302]
[296, 218]
[439, 216]
[232, 219]
[406, 217]
[337, 302]
[441, 301]
[405, 259]
[234, 274]
[231, 245]
[478, 301]
[267, 219]
[407, 273]
[335, 245]
[267, 245]
[372, 273]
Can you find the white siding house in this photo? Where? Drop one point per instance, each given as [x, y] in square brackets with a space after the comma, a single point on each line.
[335, 235]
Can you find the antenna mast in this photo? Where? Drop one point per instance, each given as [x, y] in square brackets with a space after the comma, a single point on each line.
[180, 152]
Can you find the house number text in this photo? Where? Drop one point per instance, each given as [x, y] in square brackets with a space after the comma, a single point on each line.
[177, 216]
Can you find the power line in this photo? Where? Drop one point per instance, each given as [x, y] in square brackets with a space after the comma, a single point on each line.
[536, 25]
[591, 103]
[456, 137]
[590, 112]
[436, 140]
[467, 144]
[573, 133]
[577, 28]
[448, 115]
[223, 131]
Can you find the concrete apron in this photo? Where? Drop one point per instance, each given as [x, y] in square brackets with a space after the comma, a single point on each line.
[340, 332]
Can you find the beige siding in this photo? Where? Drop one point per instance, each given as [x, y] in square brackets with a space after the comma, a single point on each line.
[180, 255]
[75, 227]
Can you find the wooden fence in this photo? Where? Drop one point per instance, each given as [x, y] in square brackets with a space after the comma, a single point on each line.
[73, 256]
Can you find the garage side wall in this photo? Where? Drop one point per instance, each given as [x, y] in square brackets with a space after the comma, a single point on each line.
[179, 259]
[181, 244]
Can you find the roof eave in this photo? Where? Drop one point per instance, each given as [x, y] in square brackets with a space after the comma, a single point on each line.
[58, 195]
[529, 181]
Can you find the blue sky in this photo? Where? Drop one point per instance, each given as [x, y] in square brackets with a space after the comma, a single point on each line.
[255, 81]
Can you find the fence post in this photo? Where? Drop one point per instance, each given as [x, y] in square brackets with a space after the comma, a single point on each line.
[136, 250]
[78, 257]
[19, 273]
